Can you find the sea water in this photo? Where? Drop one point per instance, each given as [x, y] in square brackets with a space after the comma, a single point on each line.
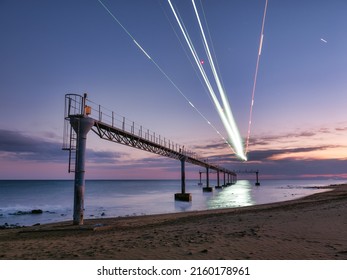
[119, 198]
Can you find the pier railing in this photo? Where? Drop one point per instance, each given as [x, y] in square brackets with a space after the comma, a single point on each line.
[113, 119]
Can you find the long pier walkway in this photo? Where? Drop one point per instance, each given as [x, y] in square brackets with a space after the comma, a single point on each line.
[82, 115]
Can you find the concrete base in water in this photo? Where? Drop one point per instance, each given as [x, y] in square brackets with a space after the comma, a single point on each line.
[183, 196]
[219, 187]
[207, 189]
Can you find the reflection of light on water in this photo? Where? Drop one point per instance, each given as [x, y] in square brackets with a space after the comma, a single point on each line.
[237, 195]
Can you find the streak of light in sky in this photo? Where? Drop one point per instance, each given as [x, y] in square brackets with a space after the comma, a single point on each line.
[162, 71]
[224, 113]
[256, 76]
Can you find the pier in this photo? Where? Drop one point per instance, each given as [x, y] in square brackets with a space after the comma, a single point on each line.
[82, 116]
[257, 183]
[229, 179]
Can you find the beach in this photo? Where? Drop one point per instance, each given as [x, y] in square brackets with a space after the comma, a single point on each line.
[313, 227]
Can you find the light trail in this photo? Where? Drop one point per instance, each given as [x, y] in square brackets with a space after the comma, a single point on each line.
[226, 118]
[202, 71]
[186, 53]
[256, 76]
[197, 59]
[137, 44]
[163, 72]
[261, 44]
[237, 141]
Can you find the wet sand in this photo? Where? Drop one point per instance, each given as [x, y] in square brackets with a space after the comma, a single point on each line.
[313, 227]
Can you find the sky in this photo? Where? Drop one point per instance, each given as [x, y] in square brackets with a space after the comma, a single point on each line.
[50, 48]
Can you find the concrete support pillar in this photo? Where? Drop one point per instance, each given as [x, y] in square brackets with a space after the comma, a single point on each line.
[183, 176]
[200, 183]
[207, 188]
[81, 125]
[257, 183]
[183, 196]
[224, 179]
[218, 181]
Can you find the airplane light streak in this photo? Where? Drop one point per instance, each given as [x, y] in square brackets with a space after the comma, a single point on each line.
[256, 76]
[237, 141]
[226, 114]
[163, 72]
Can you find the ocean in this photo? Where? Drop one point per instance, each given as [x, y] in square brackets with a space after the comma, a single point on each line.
[119, 198]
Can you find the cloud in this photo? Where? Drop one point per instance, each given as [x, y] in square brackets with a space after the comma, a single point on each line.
[19, 146]
[272, 167]
[151, 162]
[261, 155]
[294, 168]
[104, 157]
[16, 145]
[215, 145]
[341, 128]
[265, 140]
[288, 137]
[259, 144]
[283, 162]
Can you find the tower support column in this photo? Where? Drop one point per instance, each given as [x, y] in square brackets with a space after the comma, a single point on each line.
[82, 126]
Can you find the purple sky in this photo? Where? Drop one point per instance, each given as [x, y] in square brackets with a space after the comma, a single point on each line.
[50, 48]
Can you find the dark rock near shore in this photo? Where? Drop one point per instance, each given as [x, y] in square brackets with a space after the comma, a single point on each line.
[34, 211]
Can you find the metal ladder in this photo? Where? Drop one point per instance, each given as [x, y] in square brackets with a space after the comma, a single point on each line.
[73, 106]
[70, 144]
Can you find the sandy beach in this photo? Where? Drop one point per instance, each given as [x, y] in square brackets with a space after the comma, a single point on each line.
[313, 227]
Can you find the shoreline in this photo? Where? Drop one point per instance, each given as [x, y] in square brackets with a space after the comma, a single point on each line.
[311, 227]
[26, 215]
